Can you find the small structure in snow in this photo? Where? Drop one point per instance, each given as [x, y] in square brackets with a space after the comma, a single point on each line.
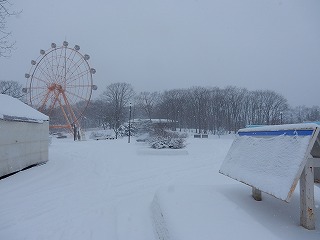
[24, 137]
[272, 159]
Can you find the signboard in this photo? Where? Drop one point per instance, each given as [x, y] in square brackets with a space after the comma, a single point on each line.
[272, 159]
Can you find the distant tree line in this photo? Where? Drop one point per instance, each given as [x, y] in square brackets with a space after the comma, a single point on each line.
[205, 109]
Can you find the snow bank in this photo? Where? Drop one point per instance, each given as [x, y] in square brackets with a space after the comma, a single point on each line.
[14, 110]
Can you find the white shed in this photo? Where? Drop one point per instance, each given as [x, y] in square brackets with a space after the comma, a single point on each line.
[24, 136]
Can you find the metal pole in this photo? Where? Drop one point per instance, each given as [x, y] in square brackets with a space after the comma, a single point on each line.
[74, 132]
[129, 123]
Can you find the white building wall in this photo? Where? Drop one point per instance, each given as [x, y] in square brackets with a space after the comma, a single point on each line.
[22, 144]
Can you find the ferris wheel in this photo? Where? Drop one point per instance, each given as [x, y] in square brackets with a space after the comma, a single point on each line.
[59, 84]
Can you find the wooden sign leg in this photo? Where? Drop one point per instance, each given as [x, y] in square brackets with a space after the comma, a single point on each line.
[307, 218]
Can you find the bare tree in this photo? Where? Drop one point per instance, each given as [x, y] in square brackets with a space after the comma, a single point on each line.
[95, 114]
[234, 105]
[147, 102]
[273, 107]
[6, 44]
[182, 108]
[200, 98]
[11, 88]
[117, 97]
[314, 114]
[216, 110]
[301, 114]
[172, 106]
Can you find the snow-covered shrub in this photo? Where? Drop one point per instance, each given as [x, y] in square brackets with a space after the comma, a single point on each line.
[166, 142]
[177, 143]
[123, 130]
[167, 139]
[100, 134]
[158, 143]
[158, 136]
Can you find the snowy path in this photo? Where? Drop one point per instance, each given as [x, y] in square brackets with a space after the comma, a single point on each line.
[100, 189]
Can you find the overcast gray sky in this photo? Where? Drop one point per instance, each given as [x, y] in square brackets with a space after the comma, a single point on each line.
[165, 44]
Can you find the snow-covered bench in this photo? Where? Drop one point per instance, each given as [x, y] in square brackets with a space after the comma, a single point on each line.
[272, 159]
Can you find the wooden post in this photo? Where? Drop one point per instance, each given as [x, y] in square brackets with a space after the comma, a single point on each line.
[316, 169]
[307, 218]
[256, 194]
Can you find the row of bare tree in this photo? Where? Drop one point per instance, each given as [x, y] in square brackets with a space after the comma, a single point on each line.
[200, 108]
[215, 109]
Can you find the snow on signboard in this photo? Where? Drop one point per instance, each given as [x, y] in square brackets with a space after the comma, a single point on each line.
[270, 158]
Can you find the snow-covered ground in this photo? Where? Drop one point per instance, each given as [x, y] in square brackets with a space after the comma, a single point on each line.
[108, 189]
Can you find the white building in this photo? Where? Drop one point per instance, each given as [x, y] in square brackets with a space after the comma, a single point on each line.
[24, 136]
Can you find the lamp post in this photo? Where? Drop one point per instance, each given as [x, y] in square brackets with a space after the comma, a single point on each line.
[129, 123]
[281, 117]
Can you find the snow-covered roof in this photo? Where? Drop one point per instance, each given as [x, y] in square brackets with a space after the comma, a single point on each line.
[154, 120]
[12, 109]
[300, 126]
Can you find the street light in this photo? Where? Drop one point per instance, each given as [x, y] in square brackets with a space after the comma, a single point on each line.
[129, 122]
[281, 117]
